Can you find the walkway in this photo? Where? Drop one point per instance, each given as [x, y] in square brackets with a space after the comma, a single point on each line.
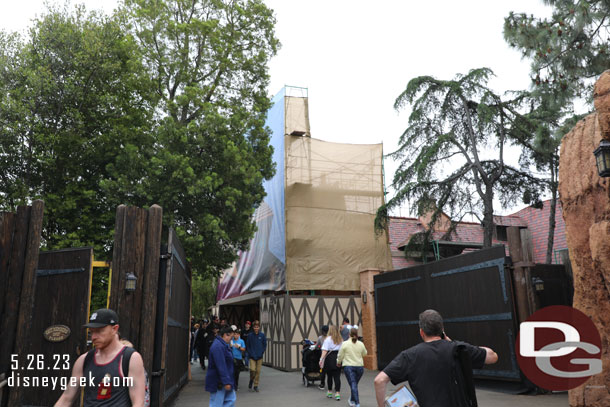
[279, 388]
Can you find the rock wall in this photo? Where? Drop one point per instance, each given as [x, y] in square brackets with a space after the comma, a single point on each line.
[585, 198]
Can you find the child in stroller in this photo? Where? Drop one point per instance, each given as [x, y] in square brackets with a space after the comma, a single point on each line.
[311, 358]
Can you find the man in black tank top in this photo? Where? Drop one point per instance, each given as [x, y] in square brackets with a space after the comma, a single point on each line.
[101, 374]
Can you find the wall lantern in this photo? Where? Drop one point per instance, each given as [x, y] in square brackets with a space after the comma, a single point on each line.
[538, 284]
[602, 158]
[130, 282]
[364, 297]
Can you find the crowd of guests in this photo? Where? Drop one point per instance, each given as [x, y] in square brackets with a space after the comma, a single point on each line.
[341, 348]
[229, 350]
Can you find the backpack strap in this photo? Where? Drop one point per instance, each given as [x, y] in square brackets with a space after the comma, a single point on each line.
[88, 358]
[127, 352]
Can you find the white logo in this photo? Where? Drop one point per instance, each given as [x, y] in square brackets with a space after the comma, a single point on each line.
[93, 316]
[570, 343]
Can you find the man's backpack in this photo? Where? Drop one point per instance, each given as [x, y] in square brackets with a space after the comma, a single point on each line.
[462, 381]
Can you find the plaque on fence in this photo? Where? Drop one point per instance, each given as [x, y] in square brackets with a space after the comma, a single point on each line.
[56, 333]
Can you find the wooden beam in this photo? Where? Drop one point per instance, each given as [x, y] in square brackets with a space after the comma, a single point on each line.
[8, 325]
[28, 289]
[522, 279]
[150, 285]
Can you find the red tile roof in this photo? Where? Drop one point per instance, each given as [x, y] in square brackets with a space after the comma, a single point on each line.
[536, 220]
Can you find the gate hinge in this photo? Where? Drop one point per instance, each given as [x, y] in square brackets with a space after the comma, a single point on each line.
[158, 373]
[166, 256]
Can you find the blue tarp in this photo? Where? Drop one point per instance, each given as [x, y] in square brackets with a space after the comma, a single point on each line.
[263, 266]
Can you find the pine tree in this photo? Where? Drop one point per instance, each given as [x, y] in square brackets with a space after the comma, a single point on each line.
[446, 163]
[568, 51]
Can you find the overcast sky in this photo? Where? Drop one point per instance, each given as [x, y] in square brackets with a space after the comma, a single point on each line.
[355, 57]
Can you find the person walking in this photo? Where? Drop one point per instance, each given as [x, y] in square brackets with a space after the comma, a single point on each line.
[238, 347]
[328, 361]
[256, 345]
[428, 366]
[351, 359]
[219, 379]
[193, 352]
[319, 342]
[244, 335]
[103, 366]
[345, 328]
[201, 344]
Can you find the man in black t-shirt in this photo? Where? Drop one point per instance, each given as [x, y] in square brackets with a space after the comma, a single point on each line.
[429, 366]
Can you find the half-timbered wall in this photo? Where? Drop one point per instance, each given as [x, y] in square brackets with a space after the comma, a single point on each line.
[286, 320]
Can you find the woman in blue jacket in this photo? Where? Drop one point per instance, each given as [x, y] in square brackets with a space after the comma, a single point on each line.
[219, 380]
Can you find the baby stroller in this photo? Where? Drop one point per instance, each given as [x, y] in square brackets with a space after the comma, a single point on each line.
[311, 362]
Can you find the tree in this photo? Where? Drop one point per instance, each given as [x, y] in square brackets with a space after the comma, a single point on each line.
[163, 102]
[204, 295]
[567, 51]
[72, 97]
[445, 152]
[208, 63]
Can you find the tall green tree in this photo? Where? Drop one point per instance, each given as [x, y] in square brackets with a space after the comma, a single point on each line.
[567, 50]
[208, 63]
[72, 97]
[453, 151]
[163, 102]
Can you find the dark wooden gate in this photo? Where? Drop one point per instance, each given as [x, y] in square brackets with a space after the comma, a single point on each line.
[63, 289]
[172, 332]
[473, 293]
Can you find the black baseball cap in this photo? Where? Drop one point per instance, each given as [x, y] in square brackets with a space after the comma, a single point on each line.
[102, 317]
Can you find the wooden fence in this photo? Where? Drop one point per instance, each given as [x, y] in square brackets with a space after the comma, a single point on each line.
[19, 247]
[156, 316]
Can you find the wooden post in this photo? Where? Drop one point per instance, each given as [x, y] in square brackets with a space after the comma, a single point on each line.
[369, 324]
[117, 249]
[8, 325]
[522, 279]
[7, 228]
[150, 284]
[28, 289]
[128, 257]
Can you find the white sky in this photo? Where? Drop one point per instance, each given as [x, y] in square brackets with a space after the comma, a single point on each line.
[356, 57]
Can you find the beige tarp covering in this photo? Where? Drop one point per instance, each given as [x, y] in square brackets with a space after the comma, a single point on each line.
[332, 194]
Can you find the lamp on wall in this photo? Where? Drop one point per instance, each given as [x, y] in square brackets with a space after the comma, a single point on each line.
[130, 282]
[602, 158]
[538, 284]
[364, 297]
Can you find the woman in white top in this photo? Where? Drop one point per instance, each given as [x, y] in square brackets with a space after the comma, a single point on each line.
[328, 361]
[351, 357]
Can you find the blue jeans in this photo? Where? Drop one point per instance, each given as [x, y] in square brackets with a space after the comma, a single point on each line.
[353, 375]
[223, 398]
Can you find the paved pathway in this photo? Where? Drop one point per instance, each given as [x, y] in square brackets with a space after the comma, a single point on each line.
[278, 389]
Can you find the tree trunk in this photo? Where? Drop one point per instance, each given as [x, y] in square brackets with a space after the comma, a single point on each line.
[551, 236]
[488, 220]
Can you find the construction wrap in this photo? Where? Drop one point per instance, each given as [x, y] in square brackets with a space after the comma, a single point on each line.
[315, 227]
[263, 266]
[333, 191]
